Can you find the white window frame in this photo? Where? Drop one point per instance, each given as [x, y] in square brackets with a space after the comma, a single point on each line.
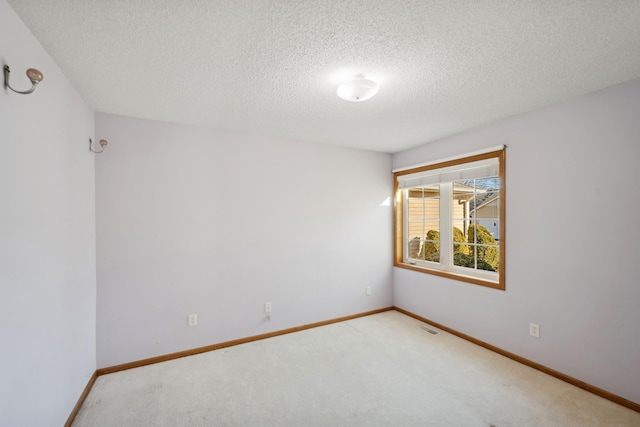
[443, 174]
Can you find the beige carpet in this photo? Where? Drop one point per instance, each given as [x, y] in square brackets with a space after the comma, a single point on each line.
[380, 370]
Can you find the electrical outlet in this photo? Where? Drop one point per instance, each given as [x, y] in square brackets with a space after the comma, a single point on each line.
[368, 291]
[193, 320]
[534, 330]
[267, 307]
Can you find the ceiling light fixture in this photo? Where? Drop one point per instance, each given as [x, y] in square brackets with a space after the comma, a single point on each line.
[34, 75]
[357, 89]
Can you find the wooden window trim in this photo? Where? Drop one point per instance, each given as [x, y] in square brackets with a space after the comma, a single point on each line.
[399, 215]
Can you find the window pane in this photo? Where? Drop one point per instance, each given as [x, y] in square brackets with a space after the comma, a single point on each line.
[483, 250]
[460, 245]
[423, 226]
[487, 212]
[462, 195]
[488, 184]
[431, 245]
[479, 221]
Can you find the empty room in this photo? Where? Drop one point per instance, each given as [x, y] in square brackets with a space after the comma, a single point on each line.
[332, 213]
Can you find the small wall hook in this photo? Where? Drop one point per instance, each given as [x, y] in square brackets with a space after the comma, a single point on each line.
[103, 144]
[34, 75]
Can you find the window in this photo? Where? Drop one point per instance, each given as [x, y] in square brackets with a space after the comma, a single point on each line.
[450, 219]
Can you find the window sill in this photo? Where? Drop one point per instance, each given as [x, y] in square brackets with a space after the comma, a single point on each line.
[455, 276]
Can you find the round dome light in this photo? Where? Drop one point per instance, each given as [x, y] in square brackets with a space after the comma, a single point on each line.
[357, 89]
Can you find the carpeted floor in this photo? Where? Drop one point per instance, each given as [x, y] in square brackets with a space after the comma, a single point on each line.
[380, 370]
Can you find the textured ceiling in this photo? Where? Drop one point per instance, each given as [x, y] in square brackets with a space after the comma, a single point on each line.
[272, 66]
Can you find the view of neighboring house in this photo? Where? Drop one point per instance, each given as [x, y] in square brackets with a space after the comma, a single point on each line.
[477, 202]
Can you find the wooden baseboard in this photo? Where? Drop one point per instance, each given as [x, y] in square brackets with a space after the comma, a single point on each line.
[136, 364]
[573, 381]
[83, 396]
[185, 353]
[581, 384]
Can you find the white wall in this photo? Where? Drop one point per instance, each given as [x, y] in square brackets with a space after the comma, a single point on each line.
[47, 238]
[194, 220]
[573, 241]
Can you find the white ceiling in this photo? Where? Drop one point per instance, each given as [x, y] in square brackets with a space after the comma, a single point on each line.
[272, 66]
